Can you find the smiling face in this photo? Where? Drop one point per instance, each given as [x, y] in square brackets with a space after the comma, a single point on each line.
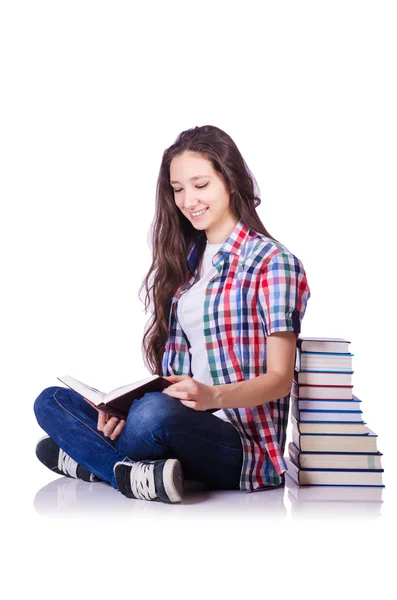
[197, 186]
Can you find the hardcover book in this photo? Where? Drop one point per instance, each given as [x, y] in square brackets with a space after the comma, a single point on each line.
[118, 402]
[334, 477]
[307, 442]
[334, 460]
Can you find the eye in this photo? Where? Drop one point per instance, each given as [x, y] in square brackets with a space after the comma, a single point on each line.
[197, 186]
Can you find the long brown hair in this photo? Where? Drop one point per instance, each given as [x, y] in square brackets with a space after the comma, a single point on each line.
[173, 234]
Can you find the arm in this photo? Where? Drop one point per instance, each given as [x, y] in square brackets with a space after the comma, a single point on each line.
[274, 384]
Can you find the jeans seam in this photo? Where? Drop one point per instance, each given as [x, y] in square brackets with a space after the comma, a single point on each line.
[80, 421]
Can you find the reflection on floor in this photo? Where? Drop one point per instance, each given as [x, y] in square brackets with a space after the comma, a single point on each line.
[65, 497]
[334, 501]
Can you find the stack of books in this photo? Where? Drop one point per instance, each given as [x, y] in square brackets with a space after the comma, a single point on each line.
[332, 444]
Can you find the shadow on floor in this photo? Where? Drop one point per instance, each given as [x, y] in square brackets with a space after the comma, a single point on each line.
[66, 496]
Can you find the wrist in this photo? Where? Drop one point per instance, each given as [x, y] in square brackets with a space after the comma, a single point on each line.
[217, 396]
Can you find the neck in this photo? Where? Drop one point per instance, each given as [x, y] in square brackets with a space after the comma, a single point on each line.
[222, 231]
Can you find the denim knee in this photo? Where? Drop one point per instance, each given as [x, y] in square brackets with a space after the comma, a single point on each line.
[152, 412]
[43, 401]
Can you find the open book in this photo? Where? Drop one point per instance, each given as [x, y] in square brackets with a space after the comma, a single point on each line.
[118, 402]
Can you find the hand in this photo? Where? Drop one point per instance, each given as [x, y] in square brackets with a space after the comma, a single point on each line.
[110, 426]
[192, 393]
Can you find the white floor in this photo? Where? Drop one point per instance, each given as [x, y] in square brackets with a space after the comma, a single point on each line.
[65, 497]
[64, 538]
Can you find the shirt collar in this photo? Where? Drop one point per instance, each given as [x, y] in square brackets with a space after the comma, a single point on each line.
[233, 245]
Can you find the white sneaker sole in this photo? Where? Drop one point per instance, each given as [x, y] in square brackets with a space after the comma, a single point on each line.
[173, 479]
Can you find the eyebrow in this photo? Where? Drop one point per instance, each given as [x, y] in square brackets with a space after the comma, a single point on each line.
[192, 178]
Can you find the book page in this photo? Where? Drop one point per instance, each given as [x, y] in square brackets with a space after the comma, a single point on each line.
[88, 392]
[127, 388]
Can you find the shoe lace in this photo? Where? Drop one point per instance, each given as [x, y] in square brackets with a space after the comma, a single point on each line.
[66, 464]
[142, 480]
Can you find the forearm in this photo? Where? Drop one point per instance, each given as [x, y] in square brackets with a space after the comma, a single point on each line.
[251, 392]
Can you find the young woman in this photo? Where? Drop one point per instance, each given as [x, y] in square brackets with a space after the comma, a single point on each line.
[227, 300]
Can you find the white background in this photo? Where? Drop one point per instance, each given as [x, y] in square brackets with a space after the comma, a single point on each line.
[91, 95]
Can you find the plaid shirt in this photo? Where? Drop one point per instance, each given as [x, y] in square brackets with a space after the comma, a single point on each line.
[260, 288]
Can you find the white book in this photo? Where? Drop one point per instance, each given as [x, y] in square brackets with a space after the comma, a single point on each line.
[318, 392]
[328, 405]
[335, 442]
[303, 416]
[306, 416]
[323, 378]
[333, 460]
[320, 361]
[323, 344]
[333, 477]
[335, 427]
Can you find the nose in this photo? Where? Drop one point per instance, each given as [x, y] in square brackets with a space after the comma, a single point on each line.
[190, 201]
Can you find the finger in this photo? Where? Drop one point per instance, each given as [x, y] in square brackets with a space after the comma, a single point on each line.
[118, 430]
[177, 394]
[101, 420]
[110, 425]
[190, 404]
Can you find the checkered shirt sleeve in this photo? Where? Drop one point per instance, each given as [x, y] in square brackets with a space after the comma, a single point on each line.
[283, 293]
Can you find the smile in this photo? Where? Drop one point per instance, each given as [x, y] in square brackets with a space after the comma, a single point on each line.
[198, 214]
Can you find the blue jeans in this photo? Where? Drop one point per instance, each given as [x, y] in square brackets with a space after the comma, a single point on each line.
[158, 426]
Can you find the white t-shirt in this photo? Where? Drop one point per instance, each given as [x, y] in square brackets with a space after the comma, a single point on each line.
[191, 318]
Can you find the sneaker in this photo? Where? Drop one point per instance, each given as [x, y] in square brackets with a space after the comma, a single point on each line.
[53, 457]
[160, 480]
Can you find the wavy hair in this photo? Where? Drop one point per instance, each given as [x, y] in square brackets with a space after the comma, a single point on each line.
[172, 234]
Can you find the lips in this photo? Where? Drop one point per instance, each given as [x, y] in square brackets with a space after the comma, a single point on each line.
[200, 216]
[196, 211]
